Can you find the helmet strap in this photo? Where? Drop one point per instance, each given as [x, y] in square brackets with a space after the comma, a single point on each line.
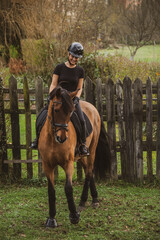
[70, 62]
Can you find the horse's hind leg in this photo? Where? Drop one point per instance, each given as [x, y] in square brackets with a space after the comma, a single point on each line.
[94, 193]
[89, 183]
[74, 215]
[84, 195]
[88, 175]
[51, 222]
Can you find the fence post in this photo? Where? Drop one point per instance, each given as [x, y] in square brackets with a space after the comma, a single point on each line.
[28, 127]
[128, 116]
[3, 149]
[89, 90]
[39, 106]
[119, 95]
[15, 126]
[158, 131]
[149, 109]
[99, 97]
[110, 108]
[138, 117]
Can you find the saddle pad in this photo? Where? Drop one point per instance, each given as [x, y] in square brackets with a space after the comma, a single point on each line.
[41, 118]
[77, 125]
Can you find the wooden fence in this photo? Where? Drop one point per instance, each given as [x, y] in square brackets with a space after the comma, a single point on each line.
[131, 112]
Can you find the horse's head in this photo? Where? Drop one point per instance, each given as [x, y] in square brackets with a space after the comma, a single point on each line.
[60, 109]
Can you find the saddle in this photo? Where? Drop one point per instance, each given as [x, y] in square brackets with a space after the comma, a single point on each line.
[41, 118]
[77, 125]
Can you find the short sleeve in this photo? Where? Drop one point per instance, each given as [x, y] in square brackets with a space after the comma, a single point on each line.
[82, 75]
[57, 70]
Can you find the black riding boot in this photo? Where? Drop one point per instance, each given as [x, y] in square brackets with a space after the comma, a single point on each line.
[83, 148]
[84, 151]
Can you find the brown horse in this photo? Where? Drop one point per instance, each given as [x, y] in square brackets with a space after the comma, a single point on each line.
[57, 144]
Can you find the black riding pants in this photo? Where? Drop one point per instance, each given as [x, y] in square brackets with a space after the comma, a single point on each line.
[82, 121]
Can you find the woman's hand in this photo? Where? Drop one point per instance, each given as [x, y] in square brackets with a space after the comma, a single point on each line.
[76, 100]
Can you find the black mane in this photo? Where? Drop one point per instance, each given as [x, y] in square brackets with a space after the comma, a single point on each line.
[53, 93]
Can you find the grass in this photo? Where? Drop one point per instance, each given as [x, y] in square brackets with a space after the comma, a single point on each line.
[147, 53]
[125, 212]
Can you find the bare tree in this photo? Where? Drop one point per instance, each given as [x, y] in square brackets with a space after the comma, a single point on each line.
[138, 24]
[59, 22]
[9, 29]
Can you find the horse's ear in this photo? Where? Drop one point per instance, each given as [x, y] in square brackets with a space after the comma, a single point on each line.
[73, 94]
[58, 92]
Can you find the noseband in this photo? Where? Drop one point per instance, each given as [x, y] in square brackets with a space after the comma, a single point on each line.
[55, 125]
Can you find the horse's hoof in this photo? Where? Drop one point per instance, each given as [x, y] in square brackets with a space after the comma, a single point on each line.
[95, 203]
[51, 222]
[81, 208]
[74, 218]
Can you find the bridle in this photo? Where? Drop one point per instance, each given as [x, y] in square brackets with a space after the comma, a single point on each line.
[55, 125]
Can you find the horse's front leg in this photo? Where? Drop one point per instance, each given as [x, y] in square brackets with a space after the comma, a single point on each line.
[51, 222]
[74, 216]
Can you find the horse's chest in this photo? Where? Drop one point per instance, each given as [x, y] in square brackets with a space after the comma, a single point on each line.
[60, 153]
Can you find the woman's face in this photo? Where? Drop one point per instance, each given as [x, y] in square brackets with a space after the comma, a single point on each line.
[72, 60]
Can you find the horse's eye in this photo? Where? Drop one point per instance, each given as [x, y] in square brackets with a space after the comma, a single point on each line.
[56, 111]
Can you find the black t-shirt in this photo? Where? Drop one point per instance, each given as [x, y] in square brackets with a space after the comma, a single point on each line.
[68, 77]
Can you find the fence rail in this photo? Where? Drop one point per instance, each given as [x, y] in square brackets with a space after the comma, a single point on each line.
[127, 109]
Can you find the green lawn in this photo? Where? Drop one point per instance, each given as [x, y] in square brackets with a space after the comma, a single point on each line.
[125, 212]
[147, 53]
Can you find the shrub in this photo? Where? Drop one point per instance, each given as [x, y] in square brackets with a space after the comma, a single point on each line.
[90, 65]
[16, 66]
[35, 54]
[2, 50]
[3, 55]
[118, 67]
[41, 56]
[14, 52]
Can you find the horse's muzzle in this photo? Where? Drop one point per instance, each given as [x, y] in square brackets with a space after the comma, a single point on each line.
[59, 140]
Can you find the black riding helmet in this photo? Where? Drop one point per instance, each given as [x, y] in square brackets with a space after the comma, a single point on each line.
[76, 49]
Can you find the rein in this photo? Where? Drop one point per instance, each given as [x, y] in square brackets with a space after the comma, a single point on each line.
[60, 126]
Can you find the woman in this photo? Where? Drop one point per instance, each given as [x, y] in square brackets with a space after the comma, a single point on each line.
[70, 76]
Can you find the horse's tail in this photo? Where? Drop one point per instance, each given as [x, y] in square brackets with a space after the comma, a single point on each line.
[102, 164]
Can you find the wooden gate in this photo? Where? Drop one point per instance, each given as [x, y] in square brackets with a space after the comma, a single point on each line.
[130, 111]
